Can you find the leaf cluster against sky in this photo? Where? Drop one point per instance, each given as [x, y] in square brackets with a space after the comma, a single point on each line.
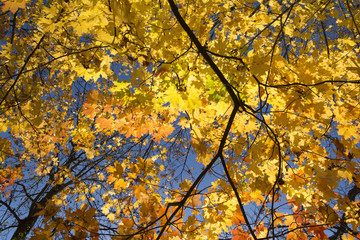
[179, 120]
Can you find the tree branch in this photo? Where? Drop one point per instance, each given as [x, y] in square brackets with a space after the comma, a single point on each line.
[208, 59]
[202, 174]
[22, 69]
[11, 210]
[237, 197]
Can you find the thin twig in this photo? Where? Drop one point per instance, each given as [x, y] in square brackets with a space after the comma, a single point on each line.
[326, 40]
[352, 16]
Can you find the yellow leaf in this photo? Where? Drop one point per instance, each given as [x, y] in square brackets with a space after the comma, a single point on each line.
[116, 171]
[195, 201]
[121, 10]
[349, 42]
[257, 196]
[120, 184]
[291, 236]
[111, 217]
[345, 174]
[12, 5]
[348, 237]
[328, 214]
[105, 209]
[90, 153]
[119, 86]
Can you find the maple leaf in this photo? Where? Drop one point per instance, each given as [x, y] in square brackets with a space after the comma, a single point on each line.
[328, 214]
[111, 217]
[163, 132]
[195, 201]
[120, 86]
[12, 5]
[239, 234]
[120, 184]
[104, 123]
[116, 172]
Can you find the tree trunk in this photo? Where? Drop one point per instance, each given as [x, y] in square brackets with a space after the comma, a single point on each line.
[25, 225]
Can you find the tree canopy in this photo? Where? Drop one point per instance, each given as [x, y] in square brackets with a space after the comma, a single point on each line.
[173, 119]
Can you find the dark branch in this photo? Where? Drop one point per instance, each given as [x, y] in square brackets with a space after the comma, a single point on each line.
[203, 52]
[11, 210]
[202, 174]
[22, 69]
[237, 197]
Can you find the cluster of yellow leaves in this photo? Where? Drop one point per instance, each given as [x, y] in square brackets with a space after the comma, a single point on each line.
[301, 86]
[80, 222]
[8, 176]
